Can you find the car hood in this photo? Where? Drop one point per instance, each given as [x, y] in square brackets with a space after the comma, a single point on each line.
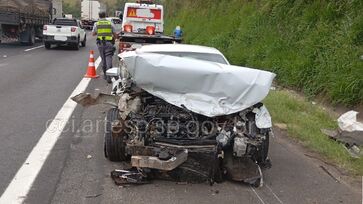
[203, 87]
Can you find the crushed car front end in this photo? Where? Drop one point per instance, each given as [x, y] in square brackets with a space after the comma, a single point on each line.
[186, 119]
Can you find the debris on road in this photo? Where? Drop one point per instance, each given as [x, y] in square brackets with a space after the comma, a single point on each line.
[350, 133]
[93, 196]
[131, 176]
[348, 122]
[89, 157]
[350, 140]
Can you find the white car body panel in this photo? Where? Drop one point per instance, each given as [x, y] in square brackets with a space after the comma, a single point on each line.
[204, 87]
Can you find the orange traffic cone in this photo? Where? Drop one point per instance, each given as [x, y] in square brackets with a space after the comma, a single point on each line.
[91, 70]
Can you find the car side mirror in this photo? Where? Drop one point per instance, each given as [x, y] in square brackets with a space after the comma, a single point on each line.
[113, 72]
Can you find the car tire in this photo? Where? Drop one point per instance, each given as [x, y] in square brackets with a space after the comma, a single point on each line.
[263, 153]
[84, 41]
[114, 144]
[76, 45]
[47, 45]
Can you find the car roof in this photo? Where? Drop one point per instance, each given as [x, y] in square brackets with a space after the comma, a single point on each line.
[179, 48]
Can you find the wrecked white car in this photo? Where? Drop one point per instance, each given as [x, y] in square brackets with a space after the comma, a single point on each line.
[183, 112]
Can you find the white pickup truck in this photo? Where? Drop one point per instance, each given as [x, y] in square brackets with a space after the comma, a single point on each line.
[64, 32]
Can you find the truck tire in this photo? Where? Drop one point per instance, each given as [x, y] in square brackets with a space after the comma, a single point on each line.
[114, 146]
[47, 45]
[31, 37]
[84, 41]
[27, 37]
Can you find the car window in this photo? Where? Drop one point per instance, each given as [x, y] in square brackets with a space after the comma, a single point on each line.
[65, 22]
[200, 56]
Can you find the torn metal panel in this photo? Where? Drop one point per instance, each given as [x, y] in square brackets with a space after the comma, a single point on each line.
[204, 87]
[156, 163]
[86, 99]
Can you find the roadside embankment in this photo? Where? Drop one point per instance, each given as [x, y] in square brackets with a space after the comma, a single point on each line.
[314, 47]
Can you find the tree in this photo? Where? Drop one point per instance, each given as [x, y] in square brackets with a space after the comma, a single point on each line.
[75, 9]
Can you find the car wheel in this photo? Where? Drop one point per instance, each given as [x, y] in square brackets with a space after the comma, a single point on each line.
[84, 41]
[263, 152]
[47, 45]
[114, 145]
[76, 45]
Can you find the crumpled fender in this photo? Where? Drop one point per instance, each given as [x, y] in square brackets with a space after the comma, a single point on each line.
[262, 118]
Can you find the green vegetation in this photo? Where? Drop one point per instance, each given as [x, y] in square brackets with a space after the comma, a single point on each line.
[73, 8]
[304, 122]
[312, 46]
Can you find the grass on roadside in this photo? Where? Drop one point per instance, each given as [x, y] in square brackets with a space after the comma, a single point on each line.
[304, 121]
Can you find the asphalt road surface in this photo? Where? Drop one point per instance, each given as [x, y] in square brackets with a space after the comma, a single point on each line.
[35, 84]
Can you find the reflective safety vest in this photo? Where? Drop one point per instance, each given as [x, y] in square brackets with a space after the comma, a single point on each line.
[104, 30]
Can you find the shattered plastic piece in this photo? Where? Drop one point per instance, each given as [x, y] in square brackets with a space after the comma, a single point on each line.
[204, 87]
[263, 117]
[86, 99]
[89, 157]
[348, 122]
[131, 176]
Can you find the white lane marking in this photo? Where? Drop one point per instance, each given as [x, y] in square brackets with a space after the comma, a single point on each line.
[274, 194]
[258, 196]
[22, 182]
[3, 64]
[33, 48]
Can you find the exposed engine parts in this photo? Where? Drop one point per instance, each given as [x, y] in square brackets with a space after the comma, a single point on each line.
[154, 130]
[156, 136]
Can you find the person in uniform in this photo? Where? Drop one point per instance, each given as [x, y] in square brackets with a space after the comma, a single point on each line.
[106, 35]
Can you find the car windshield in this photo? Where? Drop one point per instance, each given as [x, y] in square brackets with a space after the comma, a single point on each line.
[65, 22]
[200, 56]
